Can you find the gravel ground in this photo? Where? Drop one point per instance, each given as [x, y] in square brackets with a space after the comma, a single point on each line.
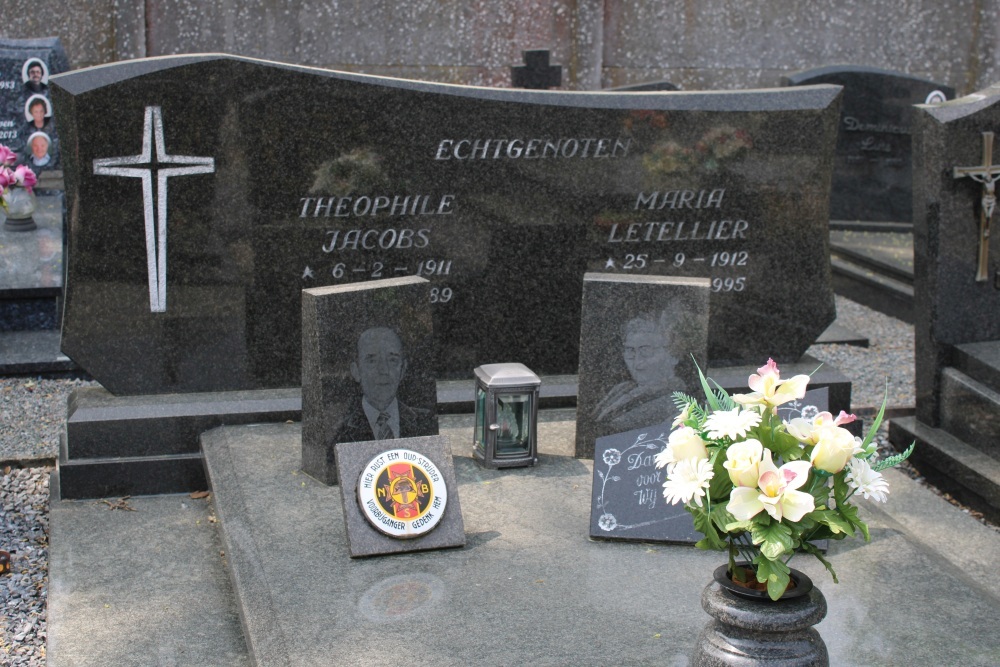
[24, 526]
[884, 369]
[32, 412]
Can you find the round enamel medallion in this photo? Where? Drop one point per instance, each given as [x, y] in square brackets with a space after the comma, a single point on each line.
[402, 493]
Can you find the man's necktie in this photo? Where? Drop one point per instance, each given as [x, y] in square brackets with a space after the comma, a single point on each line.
[384, 431]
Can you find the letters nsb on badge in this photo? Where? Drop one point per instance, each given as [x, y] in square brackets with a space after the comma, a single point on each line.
[402, 494]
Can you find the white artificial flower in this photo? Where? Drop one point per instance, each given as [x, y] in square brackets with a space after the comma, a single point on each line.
[733, 423]
[868, 483]
[688, 479]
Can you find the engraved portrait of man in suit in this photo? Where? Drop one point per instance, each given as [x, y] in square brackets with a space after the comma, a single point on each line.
[378, 414]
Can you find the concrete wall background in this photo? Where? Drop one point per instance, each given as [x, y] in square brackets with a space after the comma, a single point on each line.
[697, 44]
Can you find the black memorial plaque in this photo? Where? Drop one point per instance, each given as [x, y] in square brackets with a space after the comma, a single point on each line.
[283, 178]
[872, 176]
[627, 501]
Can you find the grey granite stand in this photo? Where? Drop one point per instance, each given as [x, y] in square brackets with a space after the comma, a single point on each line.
[761, 633]
[151, 586]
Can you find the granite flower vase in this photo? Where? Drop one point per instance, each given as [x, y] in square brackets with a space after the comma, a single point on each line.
[749, 629]
[20, 206]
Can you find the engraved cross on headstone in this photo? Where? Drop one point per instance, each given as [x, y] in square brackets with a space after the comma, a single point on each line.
[536, 73]
[144, 166]
[987, 174]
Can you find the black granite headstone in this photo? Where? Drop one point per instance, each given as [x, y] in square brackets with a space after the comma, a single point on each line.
[640, 338]
[872, 176]
[26, 118]
[957, 301]
[367, 373]
[273, 178]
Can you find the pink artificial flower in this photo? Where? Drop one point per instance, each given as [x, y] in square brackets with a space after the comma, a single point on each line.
[7, 156]
[843, 418]
[25, 177]
[6, 178]
[770, 390]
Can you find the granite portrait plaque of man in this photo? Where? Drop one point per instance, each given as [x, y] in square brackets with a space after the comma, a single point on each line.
[368, 350]
[377, 413]
[35, 76]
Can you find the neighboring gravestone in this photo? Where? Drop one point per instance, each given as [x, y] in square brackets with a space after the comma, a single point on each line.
[272, 178]
[27, 124]
[536, 73]
[627, 499]
[640, 340]
[872, 173]
[367, 373]
[399, 496]
[957, 300]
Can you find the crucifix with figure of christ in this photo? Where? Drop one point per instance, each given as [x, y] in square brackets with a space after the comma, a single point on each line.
[148, 166]
[987, 174]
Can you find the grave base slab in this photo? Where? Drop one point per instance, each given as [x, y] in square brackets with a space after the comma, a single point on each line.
[950, 464]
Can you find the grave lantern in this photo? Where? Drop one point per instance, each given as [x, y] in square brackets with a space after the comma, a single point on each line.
[506, 434]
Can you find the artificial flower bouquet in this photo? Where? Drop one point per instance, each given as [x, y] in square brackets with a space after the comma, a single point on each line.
[765, 489]
[11, 177]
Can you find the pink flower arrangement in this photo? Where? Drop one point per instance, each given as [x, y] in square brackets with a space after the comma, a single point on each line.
[14, 177]
[7, 156]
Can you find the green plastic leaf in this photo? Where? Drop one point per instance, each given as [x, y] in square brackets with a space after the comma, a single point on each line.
[814, 550]
[775, 539]
[735, 526]
[840, 488]
[720, 485]
[775, 573]
[710, 397]
[786, 446]
[895, 459]
[833, 520]
[867, 444]
[850, 512]
[721, 517]
[703, 524]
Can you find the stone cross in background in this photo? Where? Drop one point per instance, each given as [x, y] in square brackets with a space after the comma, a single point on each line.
[987, 174]
[536, 73]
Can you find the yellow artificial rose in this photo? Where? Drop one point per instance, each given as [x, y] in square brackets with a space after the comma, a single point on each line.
[834, 449]
[685, 443]
[743, 461]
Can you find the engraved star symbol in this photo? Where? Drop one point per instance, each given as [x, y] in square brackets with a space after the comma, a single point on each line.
[610, 264]
[308, 273]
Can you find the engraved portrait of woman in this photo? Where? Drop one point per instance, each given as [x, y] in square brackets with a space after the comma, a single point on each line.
[652, 362]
